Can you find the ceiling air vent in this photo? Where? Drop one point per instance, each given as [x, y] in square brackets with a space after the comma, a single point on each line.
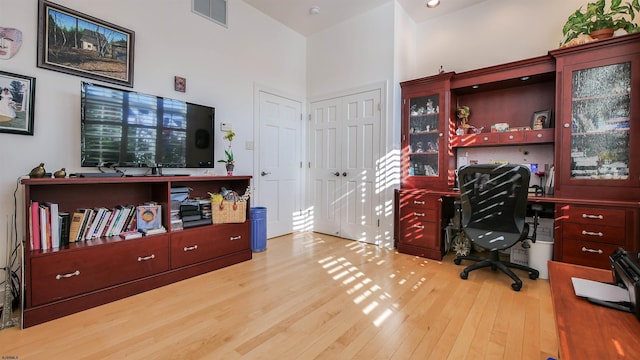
[214, 10]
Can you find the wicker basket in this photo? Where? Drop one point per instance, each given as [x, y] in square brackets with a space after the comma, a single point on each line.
[229, 211]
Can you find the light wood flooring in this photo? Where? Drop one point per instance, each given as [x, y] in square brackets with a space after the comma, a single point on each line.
[311, 296]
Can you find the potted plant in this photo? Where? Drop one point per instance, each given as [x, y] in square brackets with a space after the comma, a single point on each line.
[598, 19]
[228, 152]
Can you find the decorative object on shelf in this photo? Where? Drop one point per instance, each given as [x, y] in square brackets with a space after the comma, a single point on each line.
[600, 22]
[541, 120]
[463, 114]
[500, 127]
[10, 42]
[179, 83]
[16, 103]
[107, 49]
[228, 152]
[38, 171]
[228, 207]
[62, 173]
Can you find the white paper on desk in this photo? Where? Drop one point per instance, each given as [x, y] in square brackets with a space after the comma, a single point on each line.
[601, 291]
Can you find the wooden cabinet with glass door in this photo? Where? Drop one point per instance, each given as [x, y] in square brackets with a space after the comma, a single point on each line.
[599, 120]
[425, 133]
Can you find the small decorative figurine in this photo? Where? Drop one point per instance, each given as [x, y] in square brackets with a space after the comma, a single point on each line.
[38, 171]
[62, 173]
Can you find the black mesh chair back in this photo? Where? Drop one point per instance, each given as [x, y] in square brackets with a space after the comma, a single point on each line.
[493, 200]
[494, 203]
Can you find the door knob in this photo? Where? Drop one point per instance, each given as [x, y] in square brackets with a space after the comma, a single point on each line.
[264, 173]
[344, 174]
[336, 173]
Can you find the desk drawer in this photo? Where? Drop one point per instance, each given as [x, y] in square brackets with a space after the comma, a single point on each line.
[418, 201]
[594, 233]
[587, 253]
[594, 215]
[419, 233]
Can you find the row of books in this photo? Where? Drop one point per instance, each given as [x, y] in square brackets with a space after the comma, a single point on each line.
[52, 229]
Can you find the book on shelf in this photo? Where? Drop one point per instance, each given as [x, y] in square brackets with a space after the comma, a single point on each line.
[89, 214]
[127, 235]
[99, 213]
[125, 221]
[45, 228]
[35, 226]
[74, 227]
[109, 222]
[104, 218]
[149, 216]
[190, 224]
[64, 218]
[160, 230]
[54, 225]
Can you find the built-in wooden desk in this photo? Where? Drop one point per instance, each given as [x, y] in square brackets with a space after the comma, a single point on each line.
[586, 330]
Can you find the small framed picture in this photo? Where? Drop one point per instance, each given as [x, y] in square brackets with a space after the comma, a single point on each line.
[179, 84]
[17, 94]
[541, 120]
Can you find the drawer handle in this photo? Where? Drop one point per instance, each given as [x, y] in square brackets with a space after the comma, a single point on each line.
[418, 214]
[510, 137]
[75, 273]
[418, 226]
[584, 249]
[418, 202]
[152, 256]
[587, 216]
[189, 248]
[235, 238]
[539, 136]
[584, 232]
[486, 138]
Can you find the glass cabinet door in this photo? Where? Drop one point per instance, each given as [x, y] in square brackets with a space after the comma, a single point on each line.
[600, 122]
[424, 136]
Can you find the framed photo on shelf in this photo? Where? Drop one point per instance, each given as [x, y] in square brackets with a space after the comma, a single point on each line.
[541, 120]
[17, 93]
[82, 45]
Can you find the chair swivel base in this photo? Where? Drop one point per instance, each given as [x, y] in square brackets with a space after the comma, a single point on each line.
[494, 262]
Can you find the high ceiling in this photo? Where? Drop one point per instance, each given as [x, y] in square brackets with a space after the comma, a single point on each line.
[296, 13]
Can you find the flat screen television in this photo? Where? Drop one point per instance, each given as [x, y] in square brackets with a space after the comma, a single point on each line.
[129, 129]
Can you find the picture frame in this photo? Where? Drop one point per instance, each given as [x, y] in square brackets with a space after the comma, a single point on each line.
[541, 119]
[78, 44]
[179, 84]
[16, 108]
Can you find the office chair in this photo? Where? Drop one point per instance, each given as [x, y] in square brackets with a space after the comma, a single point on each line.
[494, 205]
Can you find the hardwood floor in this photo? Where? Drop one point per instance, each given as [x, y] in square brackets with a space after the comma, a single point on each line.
[311, 296]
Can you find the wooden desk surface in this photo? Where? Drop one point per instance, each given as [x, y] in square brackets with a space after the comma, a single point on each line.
[586, 330]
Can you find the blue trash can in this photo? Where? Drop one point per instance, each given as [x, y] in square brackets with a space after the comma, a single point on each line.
[258, 229]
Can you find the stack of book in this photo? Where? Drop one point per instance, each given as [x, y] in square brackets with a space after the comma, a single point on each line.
[191, 214]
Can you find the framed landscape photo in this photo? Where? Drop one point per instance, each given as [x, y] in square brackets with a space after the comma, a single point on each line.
[17, 94]
[79, 44]
[541, 120]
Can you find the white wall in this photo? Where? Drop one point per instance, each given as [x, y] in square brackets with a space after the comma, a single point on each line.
[221, 66]
[491, 32]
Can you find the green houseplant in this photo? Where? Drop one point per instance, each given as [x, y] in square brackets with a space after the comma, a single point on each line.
[228, 152]
[598, 16]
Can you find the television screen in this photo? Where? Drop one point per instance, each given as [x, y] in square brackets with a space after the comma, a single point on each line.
[130, 129]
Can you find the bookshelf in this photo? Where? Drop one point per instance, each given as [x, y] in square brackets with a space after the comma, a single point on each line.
[79, 275]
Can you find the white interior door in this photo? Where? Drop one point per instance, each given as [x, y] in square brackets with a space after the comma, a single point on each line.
[344, 152]
[279, 156]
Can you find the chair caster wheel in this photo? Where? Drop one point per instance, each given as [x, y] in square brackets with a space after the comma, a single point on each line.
[464, 275]
[533, 276]
[516, 286]
[457, 261]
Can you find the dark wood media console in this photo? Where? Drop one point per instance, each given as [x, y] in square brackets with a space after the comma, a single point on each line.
[85, 274]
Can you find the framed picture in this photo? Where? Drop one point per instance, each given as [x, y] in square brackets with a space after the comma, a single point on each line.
[79, 44]
[179, 84]
[17, 93]
[541, 120]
